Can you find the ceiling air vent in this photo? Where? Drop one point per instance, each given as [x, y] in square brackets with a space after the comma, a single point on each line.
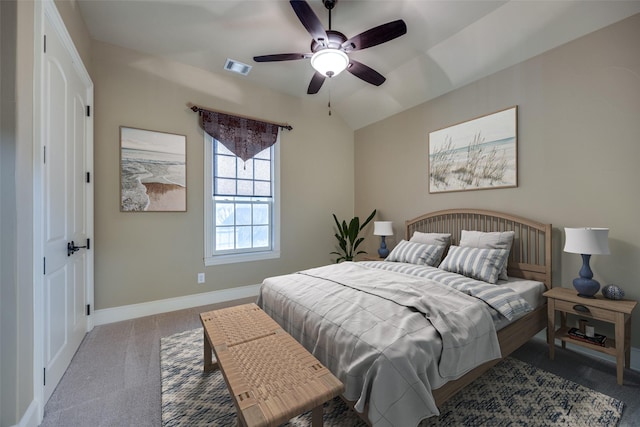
[237, 67]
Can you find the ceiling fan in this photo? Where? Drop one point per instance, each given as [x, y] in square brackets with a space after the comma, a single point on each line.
[330, 49]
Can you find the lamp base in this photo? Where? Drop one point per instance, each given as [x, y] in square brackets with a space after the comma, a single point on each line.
[586, 296]
[383, 252]
[587, 288]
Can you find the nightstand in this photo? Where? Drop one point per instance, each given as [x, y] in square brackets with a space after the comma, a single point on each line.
[372, 258]
[567, 301]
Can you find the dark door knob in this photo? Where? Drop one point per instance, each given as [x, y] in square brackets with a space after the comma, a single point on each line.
[72, 248]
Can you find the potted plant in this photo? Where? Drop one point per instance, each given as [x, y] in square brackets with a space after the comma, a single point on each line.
[348, 239]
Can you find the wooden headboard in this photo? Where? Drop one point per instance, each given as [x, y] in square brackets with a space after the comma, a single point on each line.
[530, 256]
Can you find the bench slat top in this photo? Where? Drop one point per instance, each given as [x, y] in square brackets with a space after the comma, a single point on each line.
[271, 377]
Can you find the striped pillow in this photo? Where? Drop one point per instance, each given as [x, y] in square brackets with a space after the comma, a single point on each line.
[488, 240]
[481, 264]
[441, 239]
[416, 253]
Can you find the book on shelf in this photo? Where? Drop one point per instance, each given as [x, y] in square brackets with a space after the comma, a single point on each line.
[596, 339]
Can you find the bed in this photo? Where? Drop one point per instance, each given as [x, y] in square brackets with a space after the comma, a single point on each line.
[403, 336]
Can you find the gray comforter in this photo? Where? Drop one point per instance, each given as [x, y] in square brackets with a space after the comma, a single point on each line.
[390, 337]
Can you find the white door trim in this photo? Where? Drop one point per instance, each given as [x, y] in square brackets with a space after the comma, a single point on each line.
[46, 10]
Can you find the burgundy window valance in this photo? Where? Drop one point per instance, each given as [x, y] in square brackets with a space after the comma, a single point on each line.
[243, 136]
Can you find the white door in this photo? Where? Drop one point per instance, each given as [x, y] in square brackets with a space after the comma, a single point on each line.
[65, 206]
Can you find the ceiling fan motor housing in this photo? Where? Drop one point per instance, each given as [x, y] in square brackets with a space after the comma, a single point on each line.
[336, 38]
[329, 4]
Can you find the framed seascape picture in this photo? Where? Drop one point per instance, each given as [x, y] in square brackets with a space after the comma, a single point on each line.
[478, 154]
[153, 171]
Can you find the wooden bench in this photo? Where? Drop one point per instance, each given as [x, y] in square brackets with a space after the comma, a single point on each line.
[270, 376]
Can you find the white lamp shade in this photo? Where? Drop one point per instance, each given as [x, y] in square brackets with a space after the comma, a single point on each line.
[382, 228]
[329, 62]
[588, 241]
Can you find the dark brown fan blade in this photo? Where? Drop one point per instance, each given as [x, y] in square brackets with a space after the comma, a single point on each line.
[316, 83]
[281, 57]
[375, 36]
[367, 74]
[309, 20]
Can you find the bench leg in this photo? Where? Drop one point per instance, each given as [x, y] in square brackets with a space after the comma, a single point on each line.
[209, 364]
[316, 416]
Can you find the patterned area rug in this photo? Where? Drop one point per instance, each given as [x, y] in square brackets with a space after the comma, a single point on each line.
[513, 393]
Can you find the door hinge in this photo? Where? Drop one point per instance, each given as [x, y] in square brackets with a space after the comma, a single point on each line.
[88, 243]
[88, 309]
[88, 110]
[45, 43]
[44, 266]
[88, 177]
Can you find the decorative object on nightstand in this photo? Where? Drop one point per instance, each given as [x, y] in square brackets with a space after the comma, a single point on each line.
[586, 242]
[383, 229]
[612, 292]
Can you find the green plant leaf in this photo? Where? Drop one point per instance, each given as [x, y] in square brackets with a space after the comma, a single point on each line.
[368, 219]
[336, 220]
[345, 229]
[357, 243]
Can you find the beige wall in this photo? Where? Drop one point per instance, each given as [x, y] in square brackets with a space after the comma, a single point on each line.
[142, 257]
[8, 256]
[578, 142]
[16, 303]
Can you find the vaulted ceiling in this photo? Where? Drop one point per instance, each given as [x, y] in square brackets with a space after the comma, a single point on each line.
[448, 44]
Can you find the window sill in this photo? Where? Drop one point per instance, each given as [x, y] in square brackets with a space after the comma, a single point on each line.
[235, 258]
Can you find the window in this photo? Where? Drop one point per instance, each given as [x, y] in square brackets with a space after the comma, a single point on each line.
[241, 205]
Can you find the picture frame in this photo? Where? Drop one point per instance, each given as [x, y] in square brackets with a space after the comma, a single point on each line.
[478, 154]
[153, 171]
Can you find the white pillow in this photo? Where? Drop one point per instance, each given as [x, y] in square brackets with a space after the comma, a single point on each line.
[489, 240]
[416, 253]
[481, 264]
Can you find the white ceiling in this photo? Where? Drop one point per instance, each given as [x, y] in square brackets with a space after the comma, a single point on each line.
[448, 44]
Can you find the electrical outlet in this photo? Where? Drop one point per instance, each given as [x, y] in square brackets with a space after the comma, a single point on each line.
[200, 277]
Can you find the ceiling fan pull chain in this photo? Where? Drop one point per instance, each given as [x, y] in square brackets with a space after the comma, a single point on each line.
[329, 104]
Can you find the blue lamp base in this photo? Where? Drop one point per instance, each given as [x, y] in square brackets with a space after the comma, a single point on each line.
[383, 252]
[585, 285]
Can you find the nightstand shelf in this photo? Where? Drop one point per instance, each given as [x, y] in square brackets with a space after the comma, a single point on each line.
[566, 301]
[608, 348]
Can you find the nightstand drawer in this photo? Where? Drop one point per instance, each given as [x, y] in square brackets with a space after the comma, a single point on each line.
[593, 312]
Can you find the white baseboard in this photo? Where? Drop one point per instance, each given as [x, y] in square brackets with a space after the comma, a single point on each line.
[30, 416]
[133, 311]
[635, 352]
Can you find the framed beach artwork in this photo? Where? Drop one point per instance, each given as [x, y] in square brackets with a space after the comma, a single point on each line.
[153, 171]
[478, 154]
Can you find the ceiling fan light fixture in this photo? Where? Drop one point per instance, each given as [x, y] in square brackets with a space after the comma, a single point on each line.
[330, 62]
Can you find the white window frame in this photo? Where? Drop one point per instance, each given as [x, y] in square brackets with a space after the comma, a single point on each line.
[210, 258]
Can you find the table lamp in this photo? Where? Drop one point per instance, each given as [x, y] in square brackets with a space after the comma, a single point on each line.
[586, 242]
[382, 229]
